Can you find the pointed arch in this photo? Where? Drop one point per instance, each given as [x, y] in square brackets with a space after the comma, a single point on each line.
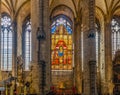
[115, 27]
[26, 42]
[61, 43]
[6, 41]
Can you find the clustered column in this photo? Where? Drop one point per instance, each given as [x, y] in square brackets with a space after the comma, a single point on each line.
[108, 56]
[89, 74]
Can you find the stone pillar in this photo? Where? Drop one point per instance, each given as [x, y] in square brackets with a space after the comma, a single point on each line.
[77, 50]
[47, 45]
[102, 59]
[35, 24]
[40, 18]
[85, 28]
[36, 74]
[89, 47]
[108, 54]
[14, 48]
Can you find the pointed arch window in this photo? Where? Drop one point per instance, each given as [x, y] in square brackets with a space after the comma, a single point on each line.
[6, 42]
[97, 29]
[27, 42]
[115, 26]
[61, 43]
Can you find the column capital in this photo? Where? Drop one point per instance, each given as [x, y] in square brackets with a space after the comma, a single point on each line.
[77, 20]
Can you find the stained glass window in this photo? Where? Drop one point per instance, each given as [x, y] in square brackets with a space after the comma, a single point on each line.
[27, 43]
[115, 26]
[6, 43]
[61, 43]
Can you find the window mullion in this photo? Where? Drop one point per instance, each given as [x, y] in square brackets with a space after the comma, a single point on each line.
[7, 48]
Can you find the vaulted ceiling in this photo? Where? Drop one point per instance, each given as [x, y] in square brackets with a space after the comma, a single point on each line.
[106, 6]
[13, 6]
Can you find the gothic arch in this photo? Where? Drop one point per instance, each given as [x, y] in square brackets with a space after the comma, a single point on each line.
[21, 16]
[116, 11]
[26, 42]
[67, 3]
[100, 17]
[6, 42]
[24, 12]
[62, 9]
[62, 62]
[4, 8]
[115, 25]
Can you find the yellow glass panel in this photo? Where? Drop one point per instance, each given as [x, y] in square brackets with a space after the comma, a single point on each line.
[56, 41]
[70, 37]
[65, 67]
[53, 36]
[69, 67]
[65, 41]
[52, 66]
[53, 41]
[57, 36]
[69, 47]
[70, 41]
[61, 36]
[65, 37]
[61, 56]
[56, 66]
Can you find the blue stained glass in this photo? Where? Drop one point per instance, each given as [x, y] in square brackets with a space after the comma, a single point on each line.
[53, 29]
[61, 43]
[61, 21]
[69, 30]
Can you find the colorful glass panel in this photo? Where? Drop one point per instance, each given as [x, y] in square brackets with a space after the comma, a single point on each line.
[61, 44]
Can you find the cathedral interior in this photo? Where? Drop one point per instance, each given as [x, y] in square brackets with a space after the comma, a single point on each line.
[60, 47]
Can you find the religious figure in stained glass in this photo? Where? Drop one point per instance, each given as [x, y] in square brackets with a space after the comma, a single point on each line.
[61, 39]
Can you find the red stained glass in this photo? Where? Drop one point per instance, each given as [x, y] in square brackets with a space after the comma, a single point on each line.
[61, 47]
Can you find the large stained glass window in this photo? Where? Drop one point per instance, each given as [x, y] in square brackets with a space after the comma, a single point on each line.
[115, 26]
[27, 42]
[61, 43]
[6, 43]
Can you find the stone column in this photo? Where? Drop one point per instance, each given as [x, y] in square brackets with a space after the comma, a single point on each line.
[35, 24]
[108, 54]
[77, 50]
[102, 60]
[14, 48]
[89, 47]
[40, 18]
[85, 28]
[47, 45]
